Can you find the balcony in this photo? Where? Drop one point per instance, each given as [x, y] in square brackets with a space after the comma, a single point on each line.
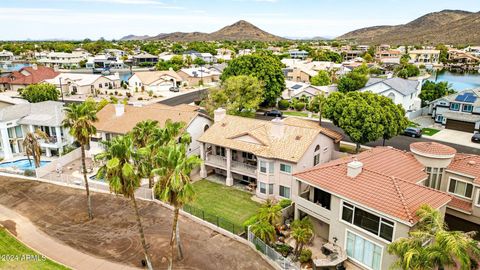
[313, 209]
[235, 166]
[216, 161]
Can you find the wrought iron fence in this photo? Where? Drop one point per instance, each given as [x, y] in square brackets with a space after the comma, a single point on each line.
[216, 220]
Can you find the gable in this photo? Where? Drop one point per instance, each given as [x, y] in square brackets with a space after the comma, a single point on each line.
[248, 139]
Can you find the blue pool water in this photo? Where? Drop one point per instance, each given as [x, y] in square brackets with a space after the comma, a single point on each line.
[94, 177]
[14, 67]
[22, 164]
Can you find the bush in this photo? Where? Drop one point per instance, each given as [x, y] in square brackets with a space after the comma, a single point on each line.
[150, 93]
[300, 106]
[285, 203]
[29, 173]
[283, 249]
[128, 94]
[283, 104]
[305, 256]
[140, 98]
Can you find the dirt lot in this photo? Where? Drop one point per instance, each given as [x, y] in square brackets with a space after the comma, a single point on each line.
[60, 212]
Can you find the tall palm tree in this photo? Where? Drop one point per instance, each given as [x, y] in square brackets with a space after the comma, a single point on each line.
[79, 120]
[123, 176]
[432, 246]
[174, 185]
[302, 232]
[142, 135]
[32, 146]
[264, 230]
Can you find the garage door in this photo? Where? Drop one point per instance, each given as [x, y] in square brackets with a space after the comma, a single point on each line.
[460, 125]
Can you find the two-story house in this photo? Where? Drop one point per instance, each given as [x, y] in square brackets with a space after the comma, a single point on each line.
[263, 155]
[458, 111]
[424, 57]
[363, 203]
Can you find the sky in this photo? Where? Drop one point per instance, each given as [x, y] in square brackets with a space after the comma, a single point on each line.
[113, 19]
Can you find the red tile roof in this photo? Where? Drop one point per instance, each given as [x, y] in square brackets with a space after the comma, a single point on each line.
[432, 148]
[466, 164]
[37, 75]
[382, 185]
[460, 204]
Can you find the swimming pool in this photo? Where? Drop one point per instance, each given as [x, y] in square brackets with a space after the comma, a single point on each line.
[94, 178]
[23, 164]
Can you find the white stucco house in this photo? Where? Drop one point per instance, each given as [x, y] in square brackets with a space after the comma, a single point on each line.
[400, 91]
[84, 84]
[156, 81]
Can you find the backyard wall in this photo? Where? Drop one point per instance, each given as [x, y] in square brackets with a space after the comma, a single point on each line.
[58, 163]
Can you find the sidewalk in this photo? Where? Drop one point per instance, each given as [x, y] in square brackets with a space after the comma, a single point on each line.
[53, 249]
[454, 136]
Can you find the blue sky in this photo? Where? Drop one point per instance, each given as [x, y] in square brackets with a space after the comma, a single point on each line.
[78, 19]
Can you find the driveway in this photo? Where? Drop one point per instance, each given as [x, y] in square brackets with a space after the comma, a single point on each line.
[455, 136]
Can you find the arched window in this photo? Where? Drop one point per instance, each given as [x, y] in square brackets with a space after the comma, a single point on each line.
[316, 157]
[317, 148]
[205, 128]
[391, 96]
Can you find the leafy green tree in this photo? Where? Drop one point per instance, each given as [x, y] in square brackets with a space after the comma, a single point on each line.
[265, 67]
[239, 95]
[393, 118]
[407, 71]
[321, 79]
[199, 61]
[443, 53]
[368, 58]
[357, 114]
[432, 91]
[79, 119]
[302, 232]
[123, 176]
[354, 80]
[432, 246]
[175, 63]
[326, 55]
[40, 92]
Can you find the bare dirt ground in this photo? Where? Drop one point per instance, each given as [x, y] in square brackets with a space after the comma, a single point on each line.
[61, 213]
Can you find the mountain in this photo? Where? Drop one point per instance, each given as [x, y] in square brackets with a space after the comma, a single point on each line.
[241, 30]
[134, 37]
[446, 26]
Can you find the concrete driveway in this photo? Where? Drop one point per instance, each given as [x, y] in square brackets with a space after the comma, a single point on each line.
[454, 136]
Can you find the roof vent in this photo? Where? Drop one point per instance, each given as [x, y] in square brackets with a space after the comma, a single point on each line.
[472, 162]
[119, 109]
[298, 137]
[354, 168]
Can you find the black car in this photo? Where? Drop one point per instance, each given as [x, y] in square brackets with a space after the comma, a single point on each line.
[275, 113]
[476, 138]
[413, 132]
[174, 89]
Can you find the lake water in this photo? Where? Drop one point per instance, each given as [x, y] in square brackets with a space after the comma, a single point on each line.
[459, 81]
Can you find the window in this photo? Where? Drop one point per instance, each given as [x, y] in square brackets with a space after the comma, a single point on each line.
[18, 132]
[316, 159]
[270, 189]
[370, 222]
[460, 188]
[363, 251]
[478, 198]
[271, 167]
[263, 188]
[220, 151]
[99, 85]
[284, 192]
[455, 106]
[467, 108]
[263, 166]
[285, 168]
[434, 177]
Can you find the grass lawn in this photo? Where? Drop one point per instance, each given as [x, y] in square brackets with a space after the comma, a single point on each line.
[294, 113]
[9, 247]
[231, 204]
[429, 131]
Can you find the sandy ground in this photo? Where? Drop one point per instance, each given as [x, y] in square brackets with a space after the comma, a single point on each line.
[60, 212]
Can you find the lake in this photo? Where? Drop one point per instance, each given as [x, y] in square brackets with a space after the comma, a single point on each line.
[459, 81]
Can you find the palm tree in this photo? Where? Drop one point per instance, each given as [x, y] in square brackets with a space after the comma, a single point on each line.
[302, 232]
[123, 176]
[432, 246]
[79, 120]
[142, 135]
[174, 185]
[264, 231]
[270, 212]
[32, 146]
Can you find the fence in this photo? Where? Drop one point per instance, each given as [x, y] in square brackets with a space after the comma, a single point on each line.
[60, 162]
[282, 262]
[216, 220]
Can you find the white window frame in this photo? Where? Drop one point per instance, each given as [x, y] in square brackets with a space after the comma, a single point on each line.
[364, 238]
[285, 165]
[271, 189]
[260, 187]
[458, 195]
[284, 187]
[477, 198]
[265, 166]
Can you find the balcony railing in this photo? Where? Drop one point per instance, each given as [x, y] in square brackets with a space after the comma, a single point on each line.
[244, 168]
[216, 160]
[235, 166]
[313, 209]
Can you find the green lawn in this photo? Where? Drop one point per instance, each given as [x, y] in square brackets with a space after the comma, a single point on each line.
[429, 131]
[232, 206]
[10, 246]
[294, 113]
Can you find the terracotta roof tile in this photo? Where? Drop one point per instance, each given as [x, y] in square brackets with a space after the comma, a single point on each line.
[432, 148]
[460, 204]
[466, 164]
[37, 75]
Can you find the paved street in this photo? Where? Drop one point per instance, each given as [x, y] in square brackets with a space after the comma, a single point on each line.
[184, 98]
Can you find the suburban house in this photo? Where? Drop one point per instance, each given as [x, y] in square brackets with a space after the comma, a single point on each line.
[352, 54]
[22, 78]
[298, 74]
[262, 156]
[207, 57]
[299, 90]
[388, 56]
[297, 54]
[61, 59]
[363, 203]
[424, 57]
[17, 120]
[6, 56]
[84, 84]
[400, 91]
[458, 111]
[7, 101]
[103, 62]
[144, 59]
[156, 81]
[225, 54]
[198, 75]
[462, 59]
[118, 119]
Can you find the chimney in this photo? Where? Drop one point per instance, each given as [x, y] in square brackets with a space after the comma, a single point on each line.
[278, 128]
[219, 114]
[354, 168]
[34, 66]
[119, 109]
[55, 68]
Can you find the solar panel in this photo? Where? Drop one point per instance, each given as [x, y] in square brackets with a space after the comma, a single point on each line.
[460, 98]
[296, 86]
[470, 99]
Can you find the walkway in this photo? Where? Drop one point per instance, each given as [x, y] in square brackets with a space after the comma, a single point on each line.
[44, 244]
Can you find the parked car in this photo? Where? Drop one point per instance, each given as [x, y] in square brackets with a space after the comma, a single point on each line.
[413, 132]
[174, 89]
[275, 113]
[476, 138]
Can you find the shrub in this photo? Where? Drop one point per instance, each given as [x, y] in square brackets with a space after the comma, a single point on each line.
[140, 98]
[128, 94]
[283, 104]
[300, 106]
[285, 203]
[150, 93]
[116, 92]
[305, 256]
[197, 102]
[283, 249]
[29, 173]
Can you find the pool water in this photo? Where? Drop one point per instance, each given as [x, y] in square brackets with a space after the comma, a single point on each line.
[23, 164]
[94, 178]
